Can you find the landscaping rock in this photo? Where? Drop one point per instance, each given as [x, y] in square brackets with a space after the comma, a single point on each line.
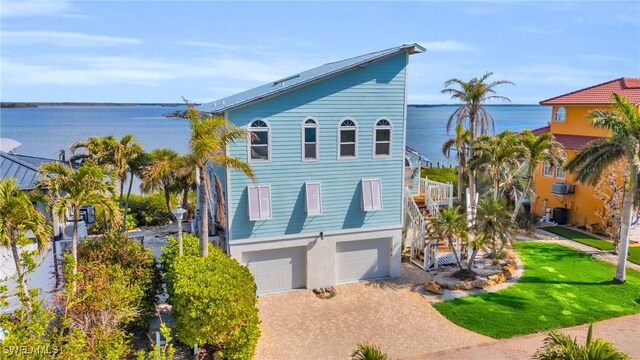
[466, 285]
[497, 278]
[479, 283]
[433, 287]
[508, 271]
[490, 283]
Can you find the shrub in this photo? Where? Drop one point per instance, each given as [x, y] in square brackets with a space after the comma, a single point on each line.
[150, 209]
[368, 352]
[445, 175]
[213, 299]
[560, 347]
[527, 221]
[136, 262]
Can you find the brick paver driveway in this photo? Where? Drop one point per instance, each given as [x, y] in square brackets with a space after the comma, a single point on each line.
[298, 325]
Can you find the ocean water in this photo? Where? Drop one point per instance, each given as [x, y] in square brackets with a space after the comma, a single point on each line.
[43, 131]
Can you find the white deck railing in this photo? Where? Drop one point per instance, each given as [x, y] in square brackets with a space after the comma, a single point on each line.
[436, 192]
[416, 227]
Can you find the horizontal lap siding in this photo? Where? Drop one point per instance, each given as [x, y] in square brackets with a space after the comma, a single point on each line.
[363, 94]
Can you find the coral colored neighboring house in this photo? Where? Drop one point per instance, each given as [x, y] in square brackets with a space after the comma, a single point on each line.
[556, 188]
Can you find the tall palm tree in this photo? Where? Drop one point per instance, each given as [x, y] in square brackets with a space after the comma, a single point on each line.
[185, 176]
[98, 150]
[623, 121]
[495, 154]
[472, 114]
[537, 150]
[451, 226]
[461, 144]
[72, 188]
[19, 215]
[159, 174]
[494, 223]
[210, 137]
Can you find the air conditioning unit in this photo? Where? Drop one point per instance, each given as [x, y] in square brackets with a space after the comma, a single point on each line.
[67, 233]
[561, 189]
[88, 214]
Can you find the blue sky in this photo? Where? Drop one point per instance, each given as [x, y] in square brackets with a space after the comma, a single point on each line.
[161, 51]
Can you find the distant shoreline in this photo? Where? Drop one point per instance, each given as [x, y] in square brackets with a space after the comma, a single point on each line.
[488, 105]
[20, 105]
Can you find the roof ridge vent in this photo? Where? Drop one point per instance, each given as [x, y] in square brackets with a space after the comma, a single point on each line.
[281, 81]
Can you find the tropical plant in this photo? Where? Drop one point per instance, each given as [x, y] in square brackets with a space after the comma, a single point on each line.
[494, 224]
[623, 121]
[368, 352]
[210, 137]
[559, 346]
[537, 150]
[450, 226]
[185, 177]
[20, 215]
[494, 155]
[150, 209]
[461, 142]
[472, 114]
[72, 188]
[98, 150]
[159, 174]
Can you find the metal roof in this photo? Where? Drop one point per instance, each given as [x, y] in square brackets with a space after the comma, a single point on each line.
[303, 78]
[26, 174]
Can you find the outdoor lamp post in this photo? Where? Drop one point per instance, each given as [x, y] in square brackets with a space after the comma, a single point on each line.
[177, 213]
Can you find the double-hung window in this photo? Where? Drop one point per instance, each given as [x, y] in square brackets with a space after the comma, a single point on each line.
[560, 173]
[313, 200]
[371, 195]
[347, 139]
[310, 139]
[382, 141]
[259, 141]
[547, 170]
[259, 202]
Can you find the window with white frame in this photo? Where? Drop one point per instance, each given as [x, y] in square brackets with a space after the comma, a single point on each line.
[260, 142]
[313, 199]
[259, 202]
[310, 139]
[382, 141]
[560, 173]
[560, 115]
[546, 169]
[347, 139]
[371, 195]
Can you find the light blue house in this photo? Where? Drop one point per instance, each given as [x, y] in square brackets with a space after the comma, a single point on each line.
[328, 149]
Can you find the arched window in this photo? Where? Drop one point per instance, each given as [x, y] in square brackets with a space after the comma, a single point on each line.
[310, 139]
[260, 141]
[560, 115]
[560, 173]
[347, 139]
[382, 138]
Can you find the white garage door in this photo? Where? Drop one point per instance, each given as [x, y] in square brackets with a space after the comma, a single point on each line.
[359, 260]
[277, 270]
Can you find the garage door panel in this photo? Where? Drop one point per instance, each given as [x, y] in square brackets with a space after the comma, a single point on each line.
[278, 269]
[360, 260]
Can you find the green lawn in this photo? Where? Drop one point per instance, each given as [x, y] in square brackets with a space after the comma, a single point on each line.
[560, 287]
[577, 236]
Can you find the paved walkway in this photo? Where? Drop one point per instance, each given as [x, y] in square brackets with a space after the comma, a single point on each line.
[389, 313]
[624, 332]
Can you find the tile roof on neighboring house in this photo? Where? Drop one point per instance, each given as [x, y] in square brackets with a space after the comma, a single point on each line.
[303, 78]
[600, 94]
[570, 142]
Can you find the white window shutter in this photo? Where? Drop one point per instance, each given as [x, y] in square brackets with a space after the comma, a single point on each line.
[254, 203]
[314, 200]
[367, 201]
[376, 195]
[265, 202]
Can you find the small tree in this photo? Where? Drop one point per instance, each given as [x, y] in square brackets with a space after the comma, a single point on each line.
[494, 224]
[451, 226]
[610, 190]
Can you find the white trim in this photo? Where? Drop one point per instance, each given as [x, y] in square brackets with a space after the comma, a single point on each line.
[306, 196]
[303, 143]
[246, 241]
[382, 127]
[355, 157]
[564, 173]
[362, 194]
[259, 187]
[404, 143]
[228, 194]
[544, 165]
[268, 130]
[555, 114]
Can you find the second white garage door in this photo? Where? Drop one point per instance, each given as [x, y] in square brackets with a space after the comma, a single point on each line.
[277, 270]
[360, 260]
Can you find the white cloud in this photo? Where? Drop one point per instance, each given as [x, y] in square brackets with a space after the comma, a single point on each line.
[61, 38]
[38, 8]
[447, 46]
[553, 74]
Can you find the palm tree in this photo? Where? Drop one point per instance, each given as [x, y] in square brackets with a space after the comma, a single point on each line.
[19, 215]
[126, 153]
[449, 225]
[461, 144]
[472, 114]
[495, 154]
[623, 121]
[159, 174]
[494, 223]
[73, 188]
[368, 352]
[560, 346]
[210, 137]
[185, 177]
[537, 150]
[97, 150]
